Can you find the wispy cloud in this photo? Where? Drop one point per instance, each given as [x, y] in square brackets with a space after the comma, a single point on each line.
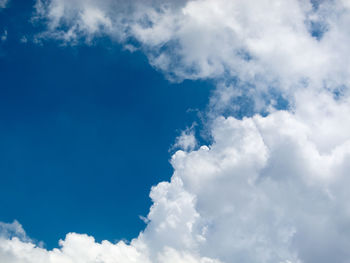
[3, 37]
[3, 3]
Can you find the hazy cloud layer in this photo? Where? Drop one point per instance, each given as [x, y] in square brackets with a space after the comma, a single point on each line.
[3, 3]
[268, 189]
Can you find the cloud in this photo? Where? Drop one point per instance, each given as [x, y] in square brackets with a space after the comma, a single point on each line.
[259, 51]
[23, 39]
[12, 230]
[284, 44]
[3, 3]
[273, 189]
[187, 140]
[4, 36]
[75, 248]
[268, 189]
[272, 184]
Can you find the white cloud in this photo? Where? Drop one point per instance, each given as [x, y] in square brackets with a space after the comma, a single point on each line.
[187, 140]
[268, 188]
[266, 43]
[274, 188]
[79, 18]
[75, 248]
[10, 230]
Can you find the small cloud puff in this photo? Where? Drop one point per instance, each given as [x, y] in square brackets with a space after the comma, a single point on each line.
[186, 141]
[23, 39]
[3, 37]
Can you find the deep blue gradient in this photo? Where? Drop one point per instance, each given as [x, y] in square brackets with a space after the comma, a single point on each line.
[84, 133]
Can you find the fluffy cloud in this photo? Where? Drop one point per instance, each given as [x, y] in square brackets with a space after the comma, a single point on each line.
[267, 43]
[254, 49]
[75, 248]
[270, 187]
[274, 189]
[187, 140]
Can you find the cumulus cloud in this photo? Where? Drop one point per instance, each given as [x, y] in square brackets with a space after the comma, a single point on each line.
[268, 189]
[273, 189]
[272, 185]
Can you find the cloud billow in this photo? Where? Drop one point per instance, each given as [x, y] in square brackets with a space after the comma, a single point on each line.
[269, 188]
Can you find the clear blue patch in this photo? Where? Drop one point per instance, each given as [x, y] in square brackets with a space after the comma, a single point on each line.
[317, 29]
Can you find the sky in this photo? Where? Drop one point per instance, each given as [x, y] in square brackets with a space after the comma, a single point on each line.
[191, 131]
[79, 126]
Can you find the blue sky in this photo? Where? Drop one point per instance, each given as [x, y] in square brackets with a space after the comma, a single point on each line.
[79, 126]
[187, 131]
